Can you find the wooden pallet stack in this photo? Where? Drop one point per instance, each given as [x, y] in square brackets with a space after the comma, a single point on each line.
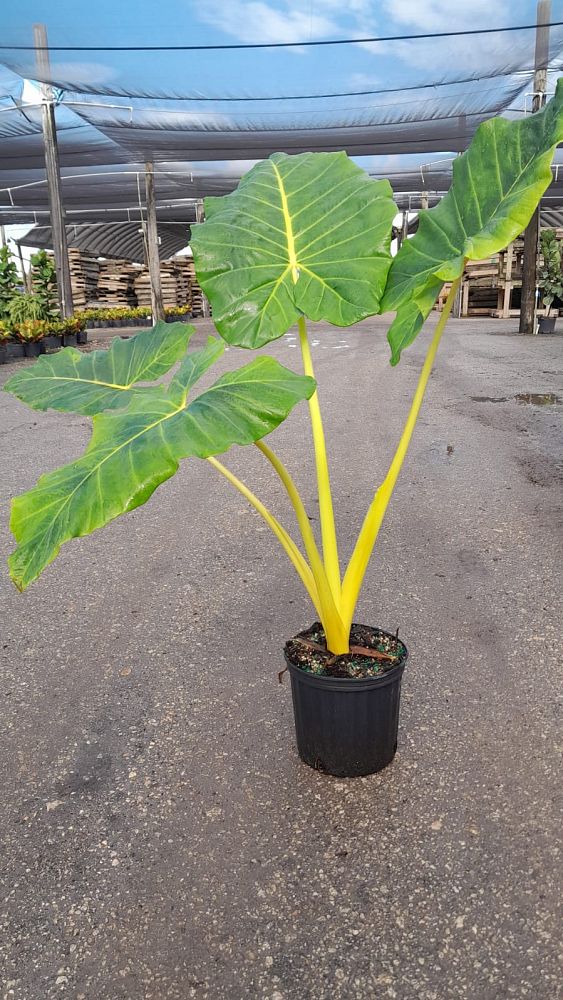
[183, 281]
[167, 284]
[84, 274]
[196, 292]
[491, 287]
[116, 283]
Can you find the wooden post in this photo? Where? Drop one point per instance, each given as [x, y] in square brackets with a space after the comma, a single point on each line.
[465, 298]
[424, 200]
[153, 259]
[531, 234]
[507, 281]
[52, 166]
[200, 217]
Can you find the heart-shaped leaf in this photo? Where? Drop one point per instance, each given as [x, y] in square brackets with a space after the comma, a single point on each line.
[133, 450]
[307, 234]
[103, 380]
[496, 187]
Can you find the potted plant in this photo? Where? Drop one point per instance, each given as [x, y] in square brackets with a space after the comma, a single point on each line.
[31, 333]
[44, 283]
[550, 278]
[4, 339]
[53, 339]
[303, 237]
[25, 306]
[177, 314]
[9, 280]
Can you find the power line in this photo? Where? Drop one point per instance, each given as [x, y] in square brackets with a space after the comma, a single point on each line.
[273, 45]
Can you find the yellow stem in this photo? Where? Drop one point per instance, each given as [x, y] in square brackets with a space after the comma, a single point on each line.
[330, 617]
[364, 546]
[281, 534]
[328, 530]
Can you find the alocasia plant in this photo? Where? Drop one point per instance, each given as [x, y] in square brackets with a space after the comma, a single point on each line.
[303, 237]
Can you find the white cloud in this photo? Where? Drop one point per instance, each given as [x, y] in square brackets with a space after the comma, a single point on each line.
[253, 21]
[443, 15]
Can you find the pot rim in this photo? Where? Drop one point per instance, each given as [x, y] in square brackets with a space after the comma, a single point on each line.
[350, 683]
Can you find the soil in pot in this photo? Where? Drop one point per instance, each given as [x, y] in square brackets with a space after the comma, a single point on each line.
[372, 652]
[346, 708]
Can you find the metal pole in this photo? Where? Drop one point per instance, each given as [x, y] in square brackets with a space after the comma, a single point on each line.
[153, 259]
[200, 217]
[2, 236]
[52, 166]
[531, 234]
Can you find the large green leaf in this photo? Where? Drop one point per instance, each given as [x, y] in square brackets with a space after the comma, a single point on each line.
[307, 234]
[495, 189]
[133, 450]
[103, 380]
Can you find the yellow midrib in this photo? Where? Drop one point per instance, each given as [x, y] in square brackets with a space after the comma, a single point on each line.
[88, 381]
[288, 226]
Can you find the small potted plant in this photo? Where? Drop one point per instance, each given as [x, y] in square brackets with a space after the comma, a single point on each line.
[550, 277]
[31, 333]
[44, 283]
[4, 340]
[9, 280]
[70, 331]
[54, 337]
[303, 237]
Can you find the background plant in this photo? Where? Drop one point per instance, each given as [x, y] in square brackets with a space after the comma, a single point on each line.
[31, 330]
[551, 273]
[25, 307]
[303, 237]
[9, 280]
[44, 283]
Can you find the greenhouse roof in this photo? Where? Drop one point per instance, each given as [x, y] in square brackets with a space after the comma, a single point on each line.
[400, 86]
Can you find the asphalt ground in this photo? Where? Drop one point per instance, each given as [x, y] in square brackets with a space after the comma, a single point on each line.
[161, 838]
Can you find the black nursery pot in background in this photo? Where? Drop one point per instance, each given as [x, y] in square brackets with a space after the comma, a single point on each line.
[546, 324]
[69, 340]
[3, 354]
[34, 348]
[346, 726]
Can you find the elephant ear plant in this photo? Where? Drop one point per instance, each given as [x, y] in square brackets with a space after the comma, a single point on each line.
[303, 237]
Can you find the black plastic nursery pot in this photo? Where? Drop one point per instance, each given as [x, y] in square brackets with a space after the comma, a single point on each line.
[52, 342]
[82, 337]
[347, 727]
[69, 340]
[546, 324]
[14, 350]
[3, 354]
[34, 348]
